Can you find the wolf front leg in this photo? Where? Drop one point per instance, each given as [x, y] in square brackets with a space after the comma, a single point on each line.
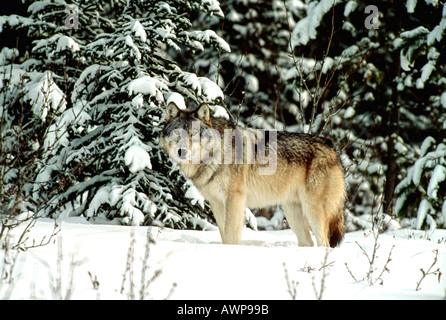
[218, 209]
[234, 217]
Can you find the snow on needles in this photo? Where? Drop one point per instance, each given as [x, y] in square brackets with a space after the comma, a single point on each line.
[44, 94]
[305, 28]
[209, 36]
[138, 30]
[147, 86]
[62, 43]
[137, 159]
[438, 176]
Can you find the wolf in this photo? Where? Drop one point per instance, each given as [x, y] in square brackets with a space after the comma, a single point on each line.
[302, 172]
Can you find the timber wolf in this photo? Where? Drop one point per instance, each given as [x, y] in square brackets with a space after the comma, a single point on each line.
[234, 168]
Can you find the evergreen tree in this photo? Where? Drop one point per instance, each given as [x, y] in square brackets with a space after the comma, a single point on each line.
[107, 70]
[421, 195]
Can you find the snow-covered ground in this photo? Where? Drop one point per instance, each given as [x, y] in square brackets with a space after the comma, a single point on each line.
[94, 261]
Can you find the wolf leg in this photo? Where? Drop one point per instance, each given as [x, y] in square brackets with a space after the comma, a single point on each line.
[218, 209]
[324, 207]
[298, 223]
[314, 212]
[234, 218]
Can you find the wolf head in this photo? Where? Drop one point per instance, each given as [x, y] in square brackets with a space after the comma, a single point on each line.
[193, 136]
[186, 133]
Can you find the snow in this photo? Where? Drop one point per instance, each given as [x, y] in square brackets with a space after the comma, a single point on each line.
[14, 20]
[443, 100]
[135, 51]
[410, 5]
[147, 86]
[210, 89]
[426, 161]
[7, 55]
[414, 33]
[133, 216]
[234, 16]
[57, 133]
[138, 30]
[275, 223]
[432, 2]
[64, 43]
[426, 71]
[191, 80]
[178, 99]
[306, 28]
[327, 64]
[406, 65]
[252, 83]
[101, 196]
[438, 176]
[427, 143]
[209, 36]
[44, 93]
[195, 265]
[195, 195]
[443, 210]
[214, 7]
[349, 112]
[220, 112]
[418, 170]
[423, 210]
[437, 33]
[137, 159]
[138, 101]
[350, 7]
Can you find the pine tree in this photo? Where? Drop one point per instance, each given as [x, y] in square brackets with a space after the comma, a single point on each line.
[421, 195]
[100, 154]
[35, 76]
[421, 87]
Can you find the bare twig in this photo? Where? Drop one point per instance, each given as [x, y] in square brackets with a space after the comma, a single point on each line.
[291, 284]
[141, 291]
[325, 267]
[429, 271]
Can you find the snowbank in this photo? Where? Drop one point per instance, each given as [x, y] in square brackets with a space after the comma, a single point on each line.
[88, 261]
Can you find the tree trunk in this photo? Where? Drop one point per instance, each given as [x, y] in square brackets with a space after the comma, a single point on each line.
[393, 129]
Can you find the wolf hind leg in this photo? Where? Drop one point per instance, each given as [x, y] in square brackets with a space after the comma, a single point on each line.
[315, 215]
[324, 207]
[326, 221]
[298, 223]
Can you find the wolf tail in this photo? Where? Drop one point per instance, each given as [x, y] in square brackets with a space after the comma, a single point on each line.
[336, 229]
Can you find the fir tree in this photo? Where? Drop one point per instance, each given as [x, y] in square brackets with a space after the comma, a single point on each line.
[108, 72]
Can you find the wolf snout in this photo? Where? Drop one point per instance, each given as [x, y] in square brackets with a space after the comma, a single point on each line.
[183, 154]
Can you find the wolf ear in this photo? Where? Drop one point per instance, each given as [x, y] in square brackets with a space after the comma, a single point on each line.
[172, 111]
[204, 113]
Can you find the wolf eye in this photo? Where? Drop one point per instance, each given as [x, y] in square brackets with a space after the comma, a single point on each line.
[175, 135]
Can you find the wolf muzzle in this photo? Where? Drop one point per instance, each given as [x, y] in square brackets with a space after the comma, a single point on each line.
[183, 154]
